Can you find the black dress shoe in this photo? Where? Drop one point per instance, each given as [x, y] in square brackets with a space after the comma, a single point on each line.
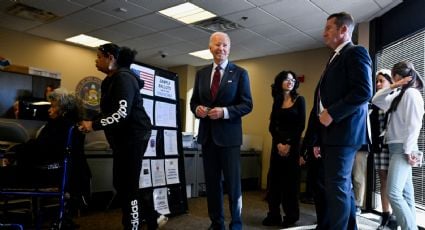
[288, 222]
[213, 227]
[272, 220]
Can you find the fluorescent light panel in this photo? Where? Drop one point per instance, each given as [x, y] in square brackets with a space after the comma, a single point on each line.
[204, 54]
[86, 40]
[187, 13]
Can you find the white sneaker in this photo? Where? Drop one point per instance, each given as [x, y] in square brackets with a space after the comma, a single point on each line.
[161, 221]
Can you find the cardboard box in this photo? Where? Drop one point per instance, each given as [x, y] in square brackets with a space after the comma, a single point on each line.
[16, 69]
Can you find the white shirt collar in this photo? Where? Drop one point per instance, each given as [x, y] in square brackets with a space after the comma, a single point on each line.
[339, 48]
[222, 65]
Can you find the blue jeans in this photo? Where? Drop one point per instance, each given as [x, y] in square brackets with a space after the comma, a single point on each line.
[400, 188]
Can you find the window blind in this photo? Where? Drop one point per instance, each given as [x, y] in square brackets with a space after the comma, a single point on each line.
[411, 48]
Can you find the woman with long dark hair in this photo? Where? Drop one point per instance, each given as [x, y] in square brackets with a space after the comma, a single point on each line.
[287, 121]
[405, 107]
[379, 149]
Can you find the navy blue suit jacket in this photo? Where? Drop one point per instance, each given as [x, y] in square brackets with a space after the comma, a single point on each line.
[345, 89]
[234, 93]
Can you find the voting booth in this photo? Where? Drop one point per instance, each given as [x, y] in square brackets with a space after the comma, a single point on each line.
[163, 165]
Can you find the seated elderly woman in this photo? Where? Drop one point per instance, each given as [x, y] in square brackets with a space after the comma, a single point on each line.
[32, 160]
[64, 112]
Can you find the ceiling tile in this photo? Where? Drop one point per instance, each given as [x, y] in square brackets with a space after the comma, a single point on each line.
[61, 29]
[109, 35]
[238, 52]
[122, 9]
[223, 7]
[176, 61]
[316, 34]
[60, 8]
[297, 41]
[203, 43]
[152, 41]
[313, 21]
[187, 33]
[240, 35]
[361, 10]
[181, 48]
[157, 5]
[261, 2]
[271, 27]
[386, 3]
[254, 16]
[288, 8]
[157, 22]
[92, 16]
[260, 44]
[274, 29]
[130, 29]
[86, 2]
[15, 23]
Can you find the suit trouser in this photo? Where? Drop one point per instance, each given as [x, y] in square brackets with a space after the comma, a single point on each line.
[338, 164]
[317, 169]
[226, 160]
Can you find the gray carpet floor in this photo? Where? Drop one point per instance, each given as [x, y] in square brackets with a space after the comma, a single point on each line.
[254, 210]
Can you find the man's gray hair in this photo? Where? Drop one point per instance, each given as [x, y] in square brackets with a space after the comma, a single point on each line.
[219, 33]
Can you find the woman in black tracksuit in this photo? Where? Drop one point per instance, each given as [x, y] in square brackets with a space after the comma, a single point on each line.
[127, 128]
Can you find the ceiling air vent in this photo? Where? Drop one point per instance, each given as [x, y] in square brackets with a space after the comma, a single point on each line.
[30, 13]
[217, 24]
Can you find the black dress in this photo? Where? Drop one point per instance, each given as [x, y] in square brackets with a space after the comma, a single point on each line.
[286, 127]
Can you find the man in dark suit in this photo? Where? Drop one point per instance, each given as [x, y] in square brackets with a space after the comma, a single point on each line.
[221, 96]
[338, 121]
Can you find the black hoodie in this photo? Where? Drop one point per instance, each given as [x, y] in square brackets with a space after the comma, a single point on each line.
[121, 104]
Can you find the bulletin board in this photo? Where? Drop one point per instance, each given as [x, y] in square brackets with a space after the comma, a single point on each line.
[163, 163]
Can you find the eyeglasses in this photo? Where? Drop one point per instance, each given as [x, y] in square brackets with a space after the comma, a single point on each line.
[290, 79]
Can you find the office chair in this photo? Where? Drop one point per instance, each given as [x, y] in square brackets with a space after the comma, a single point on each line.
[14, 132]
[40, 192]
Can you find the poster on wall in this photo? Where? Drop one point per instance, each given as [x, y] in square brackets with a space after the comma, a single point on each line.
[165, 88]
[147, 75]
[172, 171]
[165, 114]
[145, 180]
[158, 174]
[151, 148]
[170, 142]
[148, 105]
[160, 200]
